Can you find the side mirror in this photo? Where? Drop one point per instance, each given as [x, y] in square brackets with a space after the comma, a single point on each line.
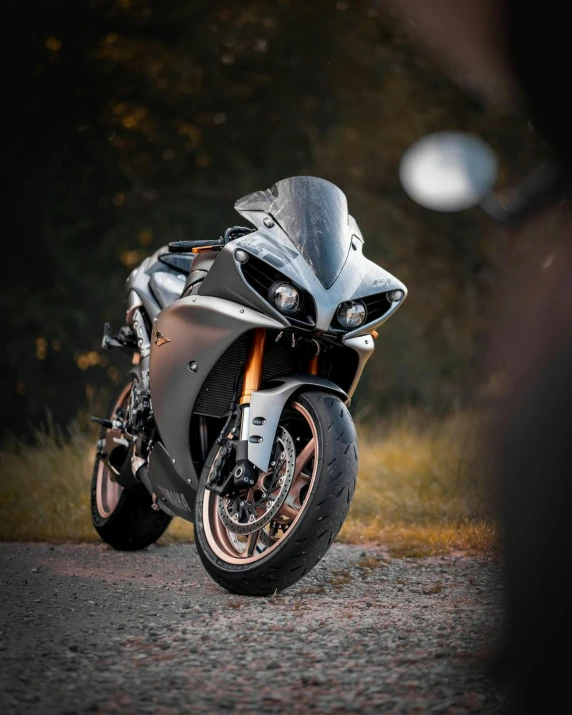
[448, 171]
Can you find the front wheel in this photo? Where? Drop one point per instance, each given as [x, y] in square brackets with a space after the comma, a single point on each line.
[264, 539]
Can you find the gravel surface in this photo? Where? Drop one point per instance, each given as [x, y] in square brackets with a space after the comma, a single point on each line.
[87, 629]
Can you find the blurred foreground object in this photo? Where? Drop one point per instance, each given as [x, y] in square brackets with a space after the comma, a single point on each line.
[531, 339]
[467, 39]
[453, 171]
[532, 453]
[448, 171]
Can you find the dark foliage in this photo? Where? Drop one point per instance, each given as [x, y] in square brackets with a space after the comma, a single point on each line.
[137, 122]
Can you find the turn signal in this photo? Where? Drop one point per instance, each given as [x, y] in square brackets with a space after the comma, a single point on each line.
[394, 296]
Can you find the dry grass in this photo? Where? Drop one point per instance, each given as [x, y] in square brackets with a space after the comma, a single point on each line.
[418, 492]
[45, 490]
[420, 489]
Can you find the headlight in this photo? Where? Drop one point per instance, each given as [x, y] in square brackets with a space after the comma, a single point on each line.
[394, 296]
[351, 314]
[285, 297]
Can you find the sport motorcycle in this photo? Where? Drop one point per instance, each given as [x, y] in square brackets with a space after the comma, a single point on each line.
[245, 353]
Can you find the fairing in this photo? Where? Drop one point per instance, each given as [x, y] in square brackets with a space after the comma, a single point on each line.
[306, 233]
[198, 330]
[359, 278]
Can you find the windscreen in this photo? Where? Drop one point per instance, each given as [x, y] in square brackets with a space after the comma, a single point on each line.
[314, 215]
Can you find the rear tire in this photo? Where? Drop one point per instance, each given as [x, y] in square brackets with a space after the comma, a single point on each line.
[124, 519]
[322, 512]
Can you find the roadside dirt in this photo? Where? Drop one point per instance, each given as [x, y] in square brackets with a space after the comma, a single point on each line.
[85, 629]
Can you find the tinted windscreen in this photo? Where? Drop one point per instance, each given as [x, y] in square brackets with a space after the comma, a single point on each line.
[314, 215]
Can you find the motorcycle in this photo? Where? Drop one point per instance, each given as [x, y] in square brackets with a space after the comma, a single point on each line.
[245, 352]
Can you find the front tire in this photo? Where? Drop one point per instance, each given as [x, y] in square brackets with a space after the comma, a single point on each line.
[308, 522]
[123, 518]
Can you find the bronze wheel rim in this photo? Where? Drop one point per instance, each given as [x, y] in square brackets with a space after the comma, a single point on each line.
[107, 490]
[234, 549]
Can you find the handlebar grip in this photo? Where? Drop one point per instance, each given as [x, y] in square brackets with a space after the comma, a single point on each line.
[187, 246]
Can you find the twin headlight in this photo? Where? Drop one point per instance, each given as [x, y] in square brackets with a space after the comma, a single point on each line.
[349, 315]
[288, 300]
[285, 297]
[353, 313]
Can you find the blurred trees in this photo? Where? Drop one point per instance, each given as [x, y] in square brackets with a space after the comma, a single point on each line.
[137, 122]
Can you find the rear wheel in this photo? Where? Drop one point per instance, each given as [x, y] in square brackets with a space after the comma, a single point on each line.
[264, 539]
[123, 518]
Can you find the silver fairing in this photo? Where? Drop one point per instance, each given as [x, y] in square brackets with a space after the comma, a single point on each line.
[195, 332]
[357, 278]
[310, 216]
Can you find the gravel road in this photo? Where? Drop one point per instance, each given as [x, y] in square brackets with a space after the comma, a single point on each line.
[85, 629]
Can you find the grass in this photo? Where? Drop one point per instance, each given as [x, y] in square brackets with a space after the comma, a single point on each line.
[419, 490]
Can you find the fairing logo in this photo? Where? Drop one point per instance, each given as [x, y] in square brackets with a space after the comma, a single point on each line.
[160, 339]
[176, 499]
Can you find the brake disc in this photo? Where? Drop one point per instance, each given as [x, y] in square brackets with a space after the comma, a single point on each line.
[250, 510]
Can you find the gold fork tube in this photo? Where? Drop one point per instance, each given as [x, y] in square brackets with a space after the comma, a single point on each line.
[253, 367]
[313, 365]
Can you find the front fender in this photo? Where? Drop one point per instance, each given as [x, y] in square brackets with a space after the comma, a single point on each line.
[266, 407]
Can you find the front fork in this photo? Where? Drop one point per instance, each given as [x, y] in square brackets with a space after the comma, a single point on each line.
[244, 471]
[252, 378]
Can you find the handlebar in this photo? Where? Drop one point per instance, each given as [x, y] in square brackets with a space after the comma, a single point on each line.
[230, 234]
[187, 246]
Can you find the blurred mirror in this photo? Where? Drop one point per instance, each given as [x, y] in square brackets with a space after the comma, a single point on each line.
[448, 171]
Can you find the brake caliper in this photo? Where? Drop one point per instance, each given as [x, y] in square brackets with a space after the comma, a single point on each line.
[216, 481]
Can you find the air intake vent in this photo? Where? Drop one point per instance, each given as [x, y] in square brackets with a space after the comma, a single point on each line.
[376, 305]
[260, 275]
